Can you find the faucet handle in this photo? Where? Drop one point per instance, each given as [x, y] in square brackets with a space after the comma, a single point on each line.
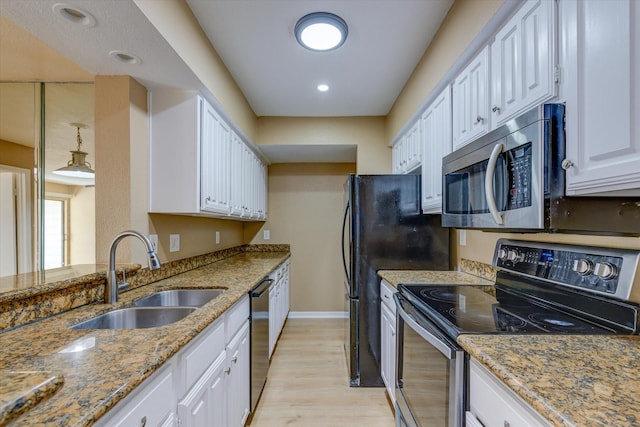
[123, 286]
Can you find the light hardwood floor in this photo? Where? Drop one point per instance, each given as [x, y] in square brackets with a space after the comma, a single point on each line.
[308, 385]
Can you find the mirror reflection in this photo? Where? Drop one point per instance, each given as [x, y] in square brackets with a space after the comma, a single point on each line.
[47, 223]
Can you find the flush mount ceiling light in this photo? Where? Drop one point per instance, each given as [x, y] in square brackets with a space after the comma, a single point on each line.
[75, 15]
[323, 87]
[124, 57]
[77, 167]
[321, 31]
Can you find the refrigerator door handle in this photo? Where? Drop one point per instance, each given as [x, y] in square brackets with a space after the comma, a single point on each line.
[344, 259]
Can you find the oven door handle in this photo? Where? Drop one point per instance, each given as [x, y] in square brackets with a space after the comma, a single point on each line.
[488, 184]
[442, 347]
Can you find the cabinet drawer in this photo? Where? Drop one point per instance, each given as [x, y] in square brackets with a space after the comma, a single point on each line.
[386, 295]
[236, 316]
[203, 352]
[495, 405]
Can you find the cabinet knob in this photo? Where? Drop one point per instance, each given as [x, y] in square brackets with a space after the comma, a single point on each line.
[479, 119]
[566, 164]
[235, 360]
[227, 371]
[506, 423]
[143, 421]
[495, 109]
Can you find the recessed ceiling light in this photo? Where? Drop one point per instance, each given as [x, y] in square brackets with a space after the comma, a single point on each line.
[125, 58]
[74, 14]
[321, 31]
[323, 87]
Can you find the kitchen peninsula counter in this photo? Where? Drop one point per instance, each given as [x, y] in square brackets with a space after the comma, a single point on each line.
[112, 363]
[571, 380]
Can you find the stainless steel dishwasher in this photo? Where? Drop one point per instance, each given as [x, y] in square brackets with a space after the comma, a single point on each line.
[259, 338]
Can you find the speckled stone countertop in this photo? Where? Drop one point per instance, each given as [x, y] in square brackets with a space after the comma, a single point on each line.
[20, 391]
[117, 361]
[571, 380]
[395, 277]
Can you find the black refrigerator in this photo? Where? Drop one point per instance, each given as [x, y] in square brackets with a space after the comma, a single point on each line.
[383, 229]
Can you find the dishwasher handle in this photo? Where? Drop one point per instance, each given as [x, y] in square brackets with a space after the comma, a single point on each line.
[261, 287]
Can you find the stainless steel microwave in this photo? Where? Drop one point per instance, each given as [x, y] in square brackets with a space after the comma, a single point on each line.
[513, 179]
[500, 180]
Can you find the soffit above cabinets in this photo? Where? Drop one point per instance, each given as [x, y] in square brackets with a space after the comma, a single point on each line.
[309, 153]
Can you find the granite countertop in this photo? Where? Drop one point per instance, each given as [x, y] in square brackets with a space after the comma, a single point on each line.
[395, 277]
[114, 362]
[571, 380]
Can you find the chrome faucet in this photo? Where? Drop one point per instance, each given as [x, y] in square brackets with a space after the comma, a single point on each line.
[112, 287]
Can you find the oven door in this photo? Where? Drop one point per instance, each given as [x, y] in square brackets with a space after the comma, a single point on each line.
[430, 384]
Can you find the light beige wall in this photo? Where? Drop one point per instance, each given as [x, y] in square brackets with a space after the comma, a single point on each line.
[373, 154]
[305, 210]
[463, 22]
[175, 21]
[16, 155]
[82, 224]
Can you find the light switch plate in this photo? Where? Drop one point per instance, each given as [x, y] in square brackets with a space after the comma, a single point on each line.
[266, 234]
[463, 237]
[174, 242]
[217, 237]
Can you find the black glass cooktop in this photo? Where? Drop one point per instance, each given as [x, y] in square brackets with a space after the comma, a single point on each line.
[465, 309]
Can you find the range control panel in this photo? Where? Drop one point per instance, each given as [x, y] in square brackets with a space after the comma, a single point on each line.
[599, 270]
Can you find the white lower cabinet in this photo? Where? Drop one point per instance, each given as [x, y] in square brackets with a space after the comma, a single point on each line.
[151, 404]
[495, 405]
[278, 303]
[388, 339]
[206, 384]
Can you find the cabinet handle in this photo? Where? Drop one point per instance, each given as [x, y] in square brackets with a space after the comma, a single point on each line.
[495, 108]
[143, 421]
[208, 199]
[235, 360]
[227, 371]
[479, 119]
[506, 423]
[566, 164]
[386, 296]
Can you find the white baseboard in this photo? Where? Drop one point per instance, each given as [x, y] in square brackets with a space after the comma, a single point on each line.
[318, 315]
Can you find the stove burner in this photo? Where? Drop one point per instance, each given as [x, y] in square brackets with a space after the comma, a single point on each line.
[555, 320]
[442, 295]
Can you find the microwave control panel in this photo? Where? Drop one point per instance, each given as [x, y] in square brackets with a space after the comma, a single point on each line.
[598, 270]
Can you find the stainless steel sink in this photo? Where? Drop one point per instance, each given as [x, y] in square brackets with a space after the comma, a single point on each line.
[136, 318]
[179, 298]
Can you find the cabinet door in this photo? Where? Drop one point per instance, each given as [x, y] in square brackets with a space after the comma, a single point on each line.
[205, 404]
[238, 378]
[216, 153]
[388, 350]
[236, 175]
[272, 319]
[602, 90]
[470, 101]
[396, 154]
[523, 60]
[413, 148]
[436, 140]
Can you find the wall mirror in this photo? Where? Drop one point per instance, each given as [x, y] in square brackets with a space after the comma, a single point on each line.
[47, 220]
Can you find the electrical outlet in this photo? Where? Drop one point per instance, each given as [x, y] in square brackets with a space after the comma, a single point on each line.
[174, 242]
[153, 238]
[217, 237]
[266, 234]
[463, 237]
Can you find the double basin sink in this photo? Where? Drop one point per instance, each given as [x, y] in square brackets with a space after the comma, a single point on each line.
[157, 309]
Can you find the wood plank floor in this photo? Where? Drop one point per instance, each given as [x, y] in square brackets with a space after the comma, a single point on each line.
[308, 386]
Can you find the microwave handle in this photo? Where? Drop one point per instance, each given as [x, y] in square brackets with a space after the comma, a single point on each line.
[488, 184]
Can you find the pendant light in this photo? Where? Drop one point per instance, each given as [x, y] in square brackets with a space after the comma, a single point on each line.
[77, 167]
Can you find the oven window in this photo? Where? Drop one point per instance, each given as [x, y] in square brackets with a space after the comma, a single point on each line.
[424, 382]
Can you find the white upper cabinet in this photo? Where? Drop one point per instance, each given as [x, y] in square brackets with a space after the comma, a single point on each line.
[470, 101]
[523, 61]
[407, 151]
[198, 164]
[436, 140]
[600, 57]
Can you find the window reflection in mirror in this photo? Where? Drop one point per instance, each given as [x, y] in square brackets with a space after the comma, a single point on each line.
[52, 225]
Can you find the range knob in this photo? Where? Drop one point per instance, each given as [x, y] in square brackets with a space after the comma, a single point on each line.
[583, 267]
[502, 254]
[514, 256]
[605, 270]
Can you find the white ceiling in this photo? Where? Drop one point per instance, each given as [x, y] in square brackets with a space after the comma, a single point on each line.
[255, 40]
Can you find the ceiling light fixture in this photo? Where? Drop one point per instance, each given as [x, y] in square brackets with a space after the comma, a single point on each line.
[321, 31]
[75, 15]
[323, 87]
[77, 167]
[124, 57]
